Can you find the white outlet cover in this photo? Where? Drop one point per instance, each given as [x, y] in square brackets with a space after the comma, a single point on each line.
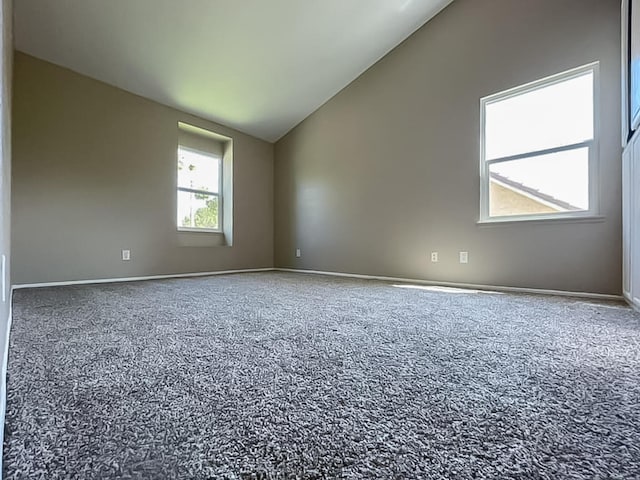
[298, 253]
[126, 255]
[464, 257]
[434, 257]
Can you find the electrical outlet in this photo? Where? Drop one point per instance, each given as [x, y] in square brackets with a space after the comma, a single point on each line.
[126, 255]
[298, 253]
[434, 257]
[464, 257]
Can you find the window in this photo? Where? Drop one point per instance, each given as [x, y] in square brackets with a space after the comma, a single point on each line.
[539, 149]
[204, 187]
[199, 190]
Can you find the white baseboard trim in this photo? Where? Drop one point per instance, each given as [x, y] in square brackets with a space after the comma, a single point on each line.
[3, 379]
[496, 288]
[138, 279]
[634, 303]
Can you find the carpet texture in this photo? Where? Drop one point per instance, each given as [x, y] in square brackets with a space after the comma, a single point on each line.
[287, 376]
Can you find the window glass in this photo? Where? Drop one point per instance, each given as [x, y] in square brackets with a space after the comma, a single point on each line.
[552, 183]
[198, 210]
[552, 116]
[198, 171]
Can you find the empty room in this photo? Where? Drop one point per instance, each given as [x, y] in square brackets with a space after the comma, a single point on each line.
[287, 239]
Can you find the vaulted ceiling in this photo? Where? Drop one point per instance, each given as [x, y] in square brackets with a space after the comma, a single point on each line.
[260, 66]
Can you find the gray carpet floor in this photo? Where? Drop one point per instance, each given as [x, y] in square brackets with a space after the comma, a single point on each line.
[286, 376]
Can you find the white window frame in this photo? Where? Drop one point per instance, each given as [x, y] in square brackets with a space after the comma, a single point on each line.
[592, 145]
[219, 194]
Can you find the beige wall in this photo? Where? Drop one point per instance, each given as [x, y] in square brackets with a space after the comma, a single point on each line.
[94, 172]
[387, 170]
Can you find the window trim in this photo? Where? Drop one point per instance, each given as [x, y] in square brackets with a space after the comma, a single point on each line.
[593, 146]
[219, 194]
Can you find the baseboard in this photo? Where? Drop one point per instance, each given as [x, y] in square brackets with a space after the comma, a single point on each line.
[497, 288]
[3, 380]
[137, 279]
[634, 303]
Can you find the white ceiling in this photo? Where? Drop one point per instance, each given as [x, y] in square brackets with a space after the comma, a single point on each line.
[260, 66]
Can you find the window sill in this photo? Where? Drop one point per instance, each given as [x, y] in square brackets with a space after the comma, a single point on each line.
[199, 230]
[538, 220]
[201, 238]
